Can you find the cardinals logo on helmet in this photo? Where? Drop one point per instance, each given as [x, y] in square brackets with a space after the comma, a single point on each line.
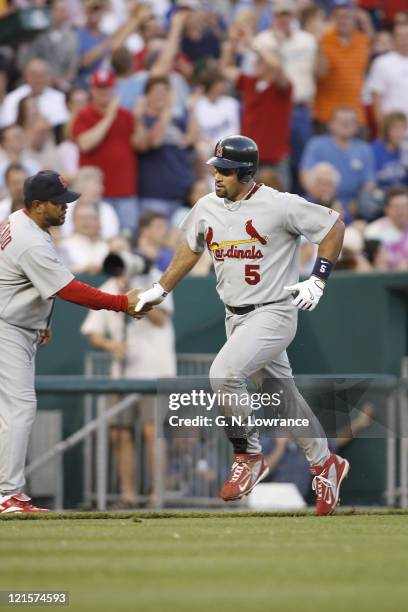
[218, 150]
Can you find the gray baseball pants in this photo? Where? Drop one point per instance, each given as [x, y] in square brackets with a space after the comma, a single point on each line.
[17, 403]
[256, 349]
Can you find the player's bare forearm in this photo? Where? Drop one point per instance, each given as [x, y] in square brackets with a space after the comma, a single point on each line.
[183, 261]
[330, 246]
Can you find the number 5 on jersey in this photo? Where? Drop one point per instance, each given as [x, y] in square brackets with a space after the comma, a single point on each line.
[252, 276]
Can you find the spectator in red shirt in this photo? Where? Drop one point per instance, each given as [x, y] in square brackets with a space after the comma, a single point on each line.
[394, 10]
[266, 108]
[106, 135]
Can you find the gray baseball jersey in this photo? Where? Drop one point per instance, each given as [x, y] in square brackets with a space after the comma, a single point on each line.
[255, 243]
[30, 272]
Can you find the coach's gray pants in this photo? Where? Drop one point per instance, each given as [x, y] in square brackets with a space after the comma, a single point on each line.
[17, 403]
[256, 349]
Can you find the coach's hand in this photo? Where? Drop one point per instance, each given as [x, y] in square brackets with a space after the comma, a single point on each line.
[133, 299]
[44, 336]
[307, 293]
[151, 297]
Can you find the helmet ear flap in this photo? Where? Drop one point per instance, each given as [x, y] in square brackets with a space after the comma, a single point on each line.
[245, 174]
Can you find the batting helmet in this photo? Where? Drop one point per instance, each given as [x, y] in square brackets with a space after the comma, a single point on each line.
[237, 152]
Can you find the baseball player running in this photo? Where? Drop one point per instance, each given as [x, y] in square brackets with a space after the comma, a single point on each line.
[253, 235]
[31, 277]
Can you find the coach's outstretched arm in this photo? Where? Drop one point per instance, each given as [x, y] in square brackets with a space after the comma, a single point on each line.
[183, 261]
[308, 293]
[90, 297]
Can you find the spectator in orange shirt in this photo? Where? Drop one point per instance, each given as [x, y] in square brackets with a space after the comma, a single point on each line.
[343, 59]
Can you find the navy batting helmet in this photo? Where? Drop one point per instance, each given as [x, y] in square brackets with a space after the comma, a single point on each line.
[237, 152]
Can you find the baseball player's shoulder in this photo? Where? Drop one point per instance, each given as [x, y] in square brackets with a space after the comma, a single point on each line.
[209, 200]
[290, 199]
[26, 234]
[269, 192]
[296, 203]
[20, 220]
[23, 226]
[279, 199]
[287, 204]
[207, 204]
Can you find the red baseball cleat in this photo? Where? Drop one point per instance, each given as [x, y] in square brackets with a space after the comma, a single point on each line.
[19, 503]
[326, 483]
[247, 470]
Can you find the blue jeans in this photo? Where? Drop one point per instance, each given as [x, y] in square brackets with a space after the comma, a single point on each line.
[127, 209]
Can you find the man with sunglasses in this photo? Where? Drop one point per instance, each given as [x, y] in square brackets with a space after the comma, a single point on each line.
[252, 233]
[31, 277]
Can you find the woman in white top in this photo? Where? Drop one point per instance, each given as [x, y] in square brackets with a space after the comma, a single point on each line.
[216, 113]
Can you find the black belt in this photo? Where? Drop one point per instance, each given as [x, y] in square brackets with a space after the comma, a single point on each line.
[241, 310]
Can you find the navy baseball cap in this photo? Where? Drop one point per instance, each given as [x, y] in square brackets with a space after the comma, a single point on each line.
[48, 185]
[336, 4]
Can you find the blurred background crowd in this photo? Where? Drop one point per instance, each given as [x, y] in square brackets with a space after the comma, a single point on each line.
[127, 99]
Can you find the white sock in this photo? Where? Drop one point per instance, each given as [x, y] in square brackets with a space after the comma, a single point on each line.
[4, 498]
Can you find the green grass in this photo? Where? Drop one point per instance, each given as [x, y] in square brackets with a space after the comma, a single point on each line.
[212, 562]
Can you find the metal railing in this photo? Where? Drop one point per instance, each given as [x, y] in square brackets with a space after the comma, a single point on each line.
[402, 416]
[99, 364]
[97, 414]
[193, 487]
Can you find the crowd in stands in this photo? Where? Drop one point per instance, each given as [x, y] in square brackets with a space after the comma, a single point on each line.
[127, 100]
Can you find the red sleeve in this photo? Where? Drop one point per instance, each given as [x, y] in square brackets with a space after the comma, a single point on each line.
[129, 120]
[81, 124]
[85, 295]
[243, 82]
[285, 92]
[139, 59]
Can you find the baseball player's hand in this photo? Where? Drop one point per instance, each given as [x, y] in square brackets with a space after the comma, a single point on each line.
[308, 293]
[133, 299]
[44, 336]
[151, 297]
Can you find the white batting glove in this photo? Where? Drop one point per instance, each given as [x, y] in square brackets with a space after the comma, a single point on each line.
[152, 296]
[309, 293]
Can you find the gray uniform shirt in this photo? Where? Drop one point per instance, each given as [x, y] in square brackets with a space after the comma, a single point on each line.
[30, 272]
[255, 243]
